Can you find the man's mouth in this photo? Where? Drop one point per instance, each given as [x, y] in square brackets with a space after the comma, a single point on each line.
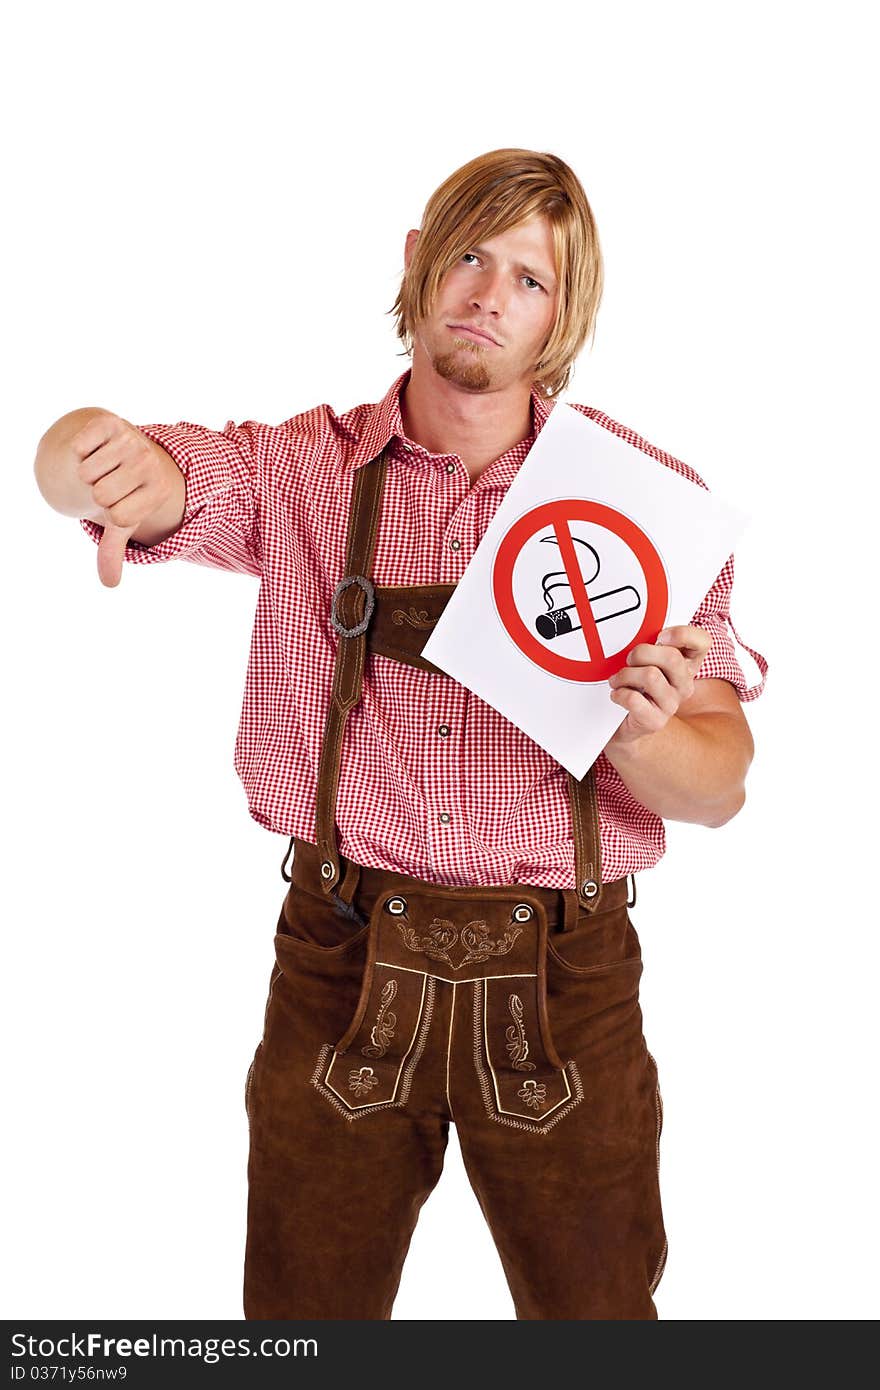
[473, 334]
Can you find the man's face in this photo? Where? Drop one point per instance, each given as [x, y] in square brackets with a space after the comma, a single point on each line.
[504, 288]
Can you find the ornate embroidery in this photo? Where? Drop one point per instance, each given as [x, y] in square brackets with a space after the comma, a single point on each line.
[539, 1124]
[442, 935]
[350, 1112]
[517, 1046]
[382, 1030]
[534, 1094]
[416, 617]
[475, 937]
[362, 1081]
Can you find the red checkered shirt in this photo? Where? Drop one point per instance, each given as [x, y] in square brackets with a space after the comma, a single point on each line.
[273, 501]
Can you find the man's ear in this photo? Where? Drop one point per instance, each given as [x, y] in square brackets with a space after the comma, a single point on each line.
[412, 237]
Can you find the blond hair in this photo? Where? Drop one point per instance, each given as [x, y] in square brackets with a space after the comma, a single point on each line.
[487, 196]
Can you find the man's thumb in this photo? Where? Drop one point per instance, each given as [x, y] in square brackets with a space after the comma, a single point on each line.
[111, 549]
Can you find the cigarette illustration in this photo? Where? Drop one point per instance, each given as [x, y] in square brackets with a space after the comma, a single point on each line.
[562, 619]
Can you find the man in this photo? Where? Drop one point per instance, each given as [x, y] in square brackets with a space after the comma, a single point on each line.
[455, 945]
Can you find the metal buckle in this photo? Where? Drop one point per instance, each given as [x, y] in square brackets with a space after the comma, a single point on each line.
[370, 593]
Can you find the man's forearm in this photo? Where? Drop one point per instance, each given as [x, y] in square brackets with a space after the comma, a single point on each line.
[692, 769]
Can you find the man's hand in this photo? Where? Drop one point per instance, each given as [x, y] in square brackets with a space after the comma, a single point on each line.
[656, 680]
[93, 464]
[132, 480]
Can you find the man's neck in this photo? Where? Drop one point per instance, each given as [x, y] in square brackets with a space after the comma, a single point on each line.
[478, 426]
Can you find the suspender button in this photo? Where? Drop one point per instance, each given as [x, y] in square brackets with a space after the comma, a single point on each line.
[590, 888]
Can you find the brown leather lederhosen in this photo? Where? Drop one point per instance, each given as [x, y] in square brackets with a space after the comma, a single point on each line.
[415, 940]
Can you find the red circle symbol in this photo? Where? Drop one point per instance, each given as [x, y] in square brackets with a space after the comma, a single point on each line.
[558, 514]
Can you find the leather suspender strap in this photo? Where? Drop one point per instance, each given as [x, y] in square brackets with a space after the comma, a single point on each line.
[350, 611]
[587, 843]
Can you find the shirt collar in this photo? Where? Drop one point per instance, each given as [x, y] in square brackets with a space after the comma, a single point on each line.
[384, 422]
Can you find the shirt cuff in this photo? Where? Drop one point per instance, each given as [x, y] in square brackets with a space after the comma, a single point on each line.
[721, 661]
[207, 478]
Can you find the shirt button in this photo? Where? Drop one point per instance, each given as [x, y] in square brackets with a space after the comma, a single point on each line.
[443, 730]
[455, 545]
[406, 446]
[450, 468]
[445, 817]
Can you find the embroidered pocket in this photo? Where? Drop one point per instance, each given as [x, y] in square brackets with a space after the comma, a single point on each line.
[372, 1066]
[523, 1081]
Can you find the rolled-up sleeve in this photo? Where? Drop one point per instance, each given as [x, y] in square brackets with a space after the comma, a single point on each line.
[721, 659]
[220, 526]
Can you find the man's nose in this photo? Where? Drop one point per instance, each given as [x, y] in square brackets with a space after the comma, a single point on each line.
[490, 296]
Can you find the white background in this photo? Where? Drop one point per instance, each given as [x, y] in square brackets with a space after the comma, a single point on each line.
[206, 209]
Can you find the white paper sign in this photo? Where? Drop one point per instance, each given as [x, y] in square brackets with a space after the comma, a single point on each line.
[595, 548]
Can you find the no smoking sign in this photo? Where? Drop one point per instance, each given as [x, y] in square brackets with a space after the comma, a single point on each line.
[572, 577]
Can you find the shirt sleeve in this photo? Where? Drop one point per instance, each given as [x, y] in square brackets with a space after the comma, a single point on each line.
[721, 659]
[220, 526]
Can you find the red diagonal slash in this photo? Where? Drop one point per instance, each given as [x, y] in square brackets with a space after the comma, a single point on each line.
[578, 588]
[560, 513]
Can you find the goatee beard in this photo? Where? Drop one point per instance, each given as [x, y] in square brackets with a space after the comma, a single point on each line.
[472, 375]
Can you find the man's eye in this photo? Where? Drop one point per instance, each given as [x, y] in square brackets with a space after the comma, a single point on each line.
[472, 254]
[533, 282]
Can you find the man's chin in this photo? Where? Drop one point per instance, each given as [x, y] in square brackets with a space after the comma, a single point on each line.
[470, 374]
